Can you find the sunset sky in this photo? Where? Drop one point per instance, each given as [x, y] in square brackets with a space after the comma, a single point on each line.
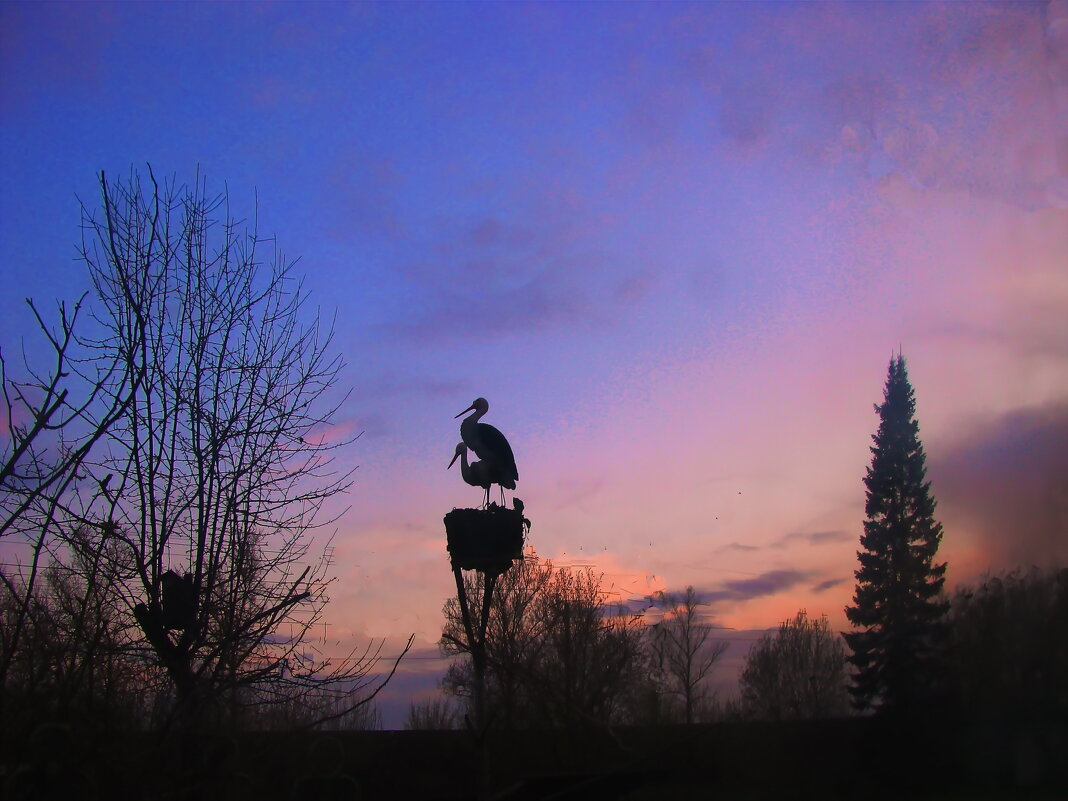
[674, 245]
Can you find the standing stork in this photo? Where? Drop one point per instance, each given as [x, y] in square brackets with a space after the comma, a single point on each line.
[490, 446]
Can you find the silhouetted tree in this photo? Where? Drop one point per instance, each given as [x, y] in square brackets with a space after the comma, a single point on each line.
[54, 416]
[797, 673]
[296, 707]
[556, 654]
[1009, 646]
[896, 601]
[434, 714]
[683, 654]
[72, 661]
[212, 476]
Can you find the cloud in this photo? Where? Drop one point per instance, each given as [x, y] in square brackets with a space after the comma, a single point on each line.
[361, 198]
[859, 98]
[823, 586]
[634, 286]
[546, 302]
[575, 490]
[746, 114]
[498, 277]
[51, 48]
[429, 388]
[1004, 481]
[652, 613]
[371, 424]
[737, 546]
[383, 405]
[1036, 330]
[969, 97]
[1007, 141]
[339, 432]
[813, 538]
[770, 583]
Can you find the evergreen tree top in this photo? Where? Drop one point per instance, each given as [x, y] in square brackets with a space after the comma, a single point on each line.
[898, 457]
[898, 409]
[897, 394]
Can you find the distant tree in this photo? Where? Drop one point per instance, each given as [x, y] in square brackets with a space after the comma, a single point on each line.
[897, 602]
[1009, 646]
[684, 655]
[434, 714]
[556, 653]
[797, 673]
[299, 708]
[514, 636]
[71, 661]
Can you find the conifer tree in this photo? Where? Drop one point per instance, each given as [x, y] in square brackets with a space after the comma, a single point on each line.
[898, 609]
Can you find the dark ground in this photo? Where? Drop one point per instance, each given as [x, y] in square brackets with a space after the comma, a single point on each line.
[842, 759]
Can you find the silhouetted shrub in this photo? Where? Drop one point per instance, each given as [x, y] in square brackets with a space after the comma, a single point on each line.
[434, 714]
[797, 673]
[1009, 645]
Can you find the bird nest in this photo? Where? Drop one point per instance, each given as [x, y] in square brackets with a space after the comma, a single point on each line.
[485, 539]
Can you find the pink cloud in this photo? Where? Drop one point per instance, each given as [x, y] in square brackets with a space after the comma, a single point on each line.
[340, 431]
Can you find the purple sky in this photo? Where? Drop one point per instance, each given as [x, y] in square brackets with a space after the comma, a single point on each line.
[673, 244]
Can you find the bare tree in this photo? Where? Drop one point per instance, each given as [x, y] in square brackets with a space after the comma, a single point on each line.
[433, 714]
[73, 661]
[556, 653]
[54, 417]
[684, 655]
[797, 673]
[213, 477]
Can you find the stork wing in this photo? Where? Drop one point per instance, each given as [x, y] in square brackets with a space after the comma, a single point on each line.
[494, 448]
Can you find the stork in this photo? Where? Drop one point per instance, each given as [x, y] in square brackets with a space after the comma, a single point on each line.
[490, 446]
[476, 474]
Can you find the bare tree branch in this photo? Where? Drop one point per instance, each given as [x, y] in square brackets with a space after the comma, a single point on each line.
[193, 473]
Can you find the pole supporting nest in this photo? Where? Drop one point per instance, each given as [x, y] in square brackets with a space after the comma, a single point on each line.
[487, 541]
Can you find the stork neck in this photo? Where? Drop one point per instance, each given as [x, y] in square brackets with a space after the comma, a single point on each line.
[465, 468]
[469, 427]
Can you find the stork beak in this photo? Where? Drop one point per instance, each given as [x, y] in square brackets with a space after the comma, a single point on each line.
[465, 411]
[454, 458]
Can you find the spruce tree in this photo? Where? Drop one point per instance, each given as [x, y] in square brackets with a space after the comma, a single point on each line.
[898, 608]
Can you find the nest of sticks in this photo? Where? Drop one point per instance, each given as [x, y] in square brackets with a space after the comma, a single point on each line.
[485, 539]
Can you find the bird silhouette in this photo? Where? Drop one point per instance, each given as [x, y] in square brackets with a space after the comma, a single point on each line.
[104, 486]
[489, 445]
[476, 474]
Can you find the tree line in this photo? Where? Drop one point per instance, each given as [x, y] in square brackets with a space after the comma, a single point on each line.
[559, 655]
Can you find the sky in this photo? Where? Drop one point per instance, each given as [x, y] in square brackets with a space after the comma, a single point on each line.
[674, 245]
